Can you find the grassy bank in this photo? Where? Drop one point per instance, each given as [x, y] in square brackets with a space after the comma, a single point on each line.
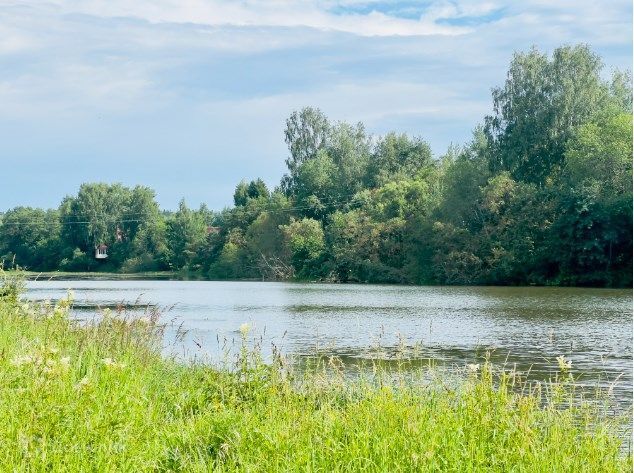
[101, 398]
[96, 276]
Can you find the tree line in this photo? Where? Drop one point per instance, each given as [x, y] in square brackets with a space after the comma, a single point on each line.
[542, 194]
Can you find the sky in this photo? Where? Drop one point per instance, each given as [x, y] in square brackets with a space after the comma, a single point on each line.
[190, 96]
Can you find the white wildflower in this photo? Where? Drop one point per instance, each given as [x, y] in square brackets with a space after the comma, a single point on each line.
[22, 360]
[83, 383]
[244, 329]
[110, 363]
[564, 365]
[473, 367]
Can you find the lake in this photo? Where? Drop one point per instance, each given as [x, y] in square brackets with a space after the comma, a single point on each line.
[528, 326]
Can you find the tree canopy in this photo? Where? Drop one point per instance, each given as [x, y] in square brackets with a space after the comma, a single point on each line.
[542, 194]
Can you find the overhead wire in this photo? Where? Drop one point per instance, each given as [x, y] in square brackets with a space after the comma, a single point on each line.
[333, 202]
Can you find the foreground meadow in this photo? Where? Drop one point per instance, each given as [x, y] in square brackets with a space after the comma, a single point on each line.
[100, 397]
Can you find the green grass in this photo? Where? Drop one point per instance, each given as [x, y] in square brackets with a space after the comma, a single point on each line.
[102, 398]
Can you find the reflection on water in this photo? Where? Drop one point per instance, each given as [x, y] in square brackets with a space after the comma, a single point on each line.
[523, 327]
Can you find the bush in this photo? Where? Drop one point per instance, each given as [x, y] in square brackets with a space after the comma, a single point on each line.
[11, 285]
[139, 264]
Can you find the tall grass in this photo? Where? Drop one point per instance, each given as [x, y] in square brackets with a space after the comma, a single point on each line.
[100, 397]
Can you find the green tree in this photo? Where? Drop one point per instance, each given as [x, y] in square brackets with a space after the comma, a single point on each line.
[364, 250]
[315, 187]
[186, 234]
[93, 216]
[30, 238]
[253, 190]
[601, 152]
[541, 103]
[349, 149]
[397, 156]
[241, 194]
[257, 190]
[592, 237]
[305, 242]
[307, 131]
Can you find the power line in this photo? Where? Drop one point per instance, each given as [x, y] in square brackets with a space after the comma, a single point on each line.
[108, 219]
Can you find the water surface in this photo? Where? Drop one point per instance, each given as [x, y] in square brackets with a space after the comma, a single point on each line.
[528, 327]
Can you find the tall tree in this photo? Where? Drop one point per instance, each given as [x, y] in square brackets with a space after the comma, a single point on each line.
[186, 234]
[92, 217]
[307, 131]
[241, 194]
[541, 103]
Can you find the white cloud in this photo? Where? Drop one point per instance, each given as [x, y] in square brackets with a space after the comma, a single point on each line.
[369, 102]
[181, 83]
[267, 13]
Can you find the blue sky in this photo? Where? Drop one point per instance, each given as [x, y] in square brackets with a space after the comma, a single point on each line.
[190, 96]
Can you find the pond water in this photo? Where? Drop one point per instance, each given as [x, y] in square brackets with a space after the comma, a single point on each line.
[528, 326]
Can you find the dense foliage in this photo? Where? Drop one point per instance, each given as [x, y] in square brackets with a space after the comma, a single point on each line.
[541, 195]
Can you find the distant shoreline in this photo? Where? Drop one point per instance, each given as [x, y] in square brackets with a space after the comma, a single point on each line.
[98, 276]
[178, 276]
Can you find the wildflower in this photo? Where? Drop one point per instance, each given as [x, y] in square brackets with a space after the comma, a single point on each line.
[109, 362]
[65, 360]
[224, 450]
[59, 312]
[145, 320]
[473, 367]
[83, 383]
[22, 360]
[244, 329]
[564, 365]
[53, 350]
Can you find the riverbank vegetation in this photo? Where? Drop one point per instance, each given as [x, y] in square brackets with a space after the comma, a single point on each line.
[100, 397]
[541, 195]
[96, 276]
